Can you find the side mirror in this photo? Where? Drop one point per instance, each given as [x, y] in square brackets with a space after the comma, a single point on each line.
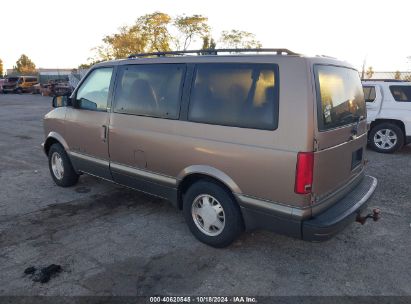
[61, 101]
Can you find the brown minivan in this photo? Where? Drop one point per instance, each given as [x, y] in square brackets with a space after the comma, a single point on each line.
[271, 140]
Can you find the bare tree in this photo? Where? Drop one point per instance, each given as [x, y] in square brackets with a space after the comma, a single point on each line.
[190, 28]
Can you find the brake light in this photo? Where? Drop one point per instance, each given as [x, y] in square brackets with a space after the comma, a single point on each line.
[304, 173]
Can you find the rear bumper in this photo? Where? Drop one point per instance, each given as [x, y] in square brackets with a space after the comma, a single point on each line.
[334, 219]
[321, 227]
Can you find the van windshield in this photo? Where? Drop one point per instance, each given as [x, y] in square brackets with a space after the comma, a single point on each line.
[340, 96]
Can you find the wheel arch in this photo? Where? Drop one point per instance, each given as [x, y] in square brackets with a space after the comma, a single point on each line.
[192, 174]
[379, 121]
[52, 138]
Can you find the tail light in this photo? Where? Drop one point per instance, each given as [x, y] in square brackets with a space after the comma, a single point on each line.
[304, 173]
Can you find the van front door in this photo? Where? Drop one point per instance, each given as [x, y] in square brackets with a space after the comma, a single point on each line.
[87, 122]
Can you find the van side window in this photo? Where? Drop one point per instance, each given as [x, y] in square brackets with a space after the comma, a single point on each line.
[93, 92]
[369, 93]
[238, 95]
[150, 90]
[401, 93]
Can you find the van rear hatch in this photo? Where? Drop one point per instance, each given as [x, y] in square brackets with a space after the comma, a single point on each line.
[341, 133]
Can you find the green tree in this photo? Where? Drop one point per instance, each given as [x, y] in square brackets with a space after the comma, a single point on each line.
[1, 68]
[236, 39]
[208, 43]
[24, 65]
[89, 64]
[190, 28]
[148, 34]
[158, 31]
[370, 72]
[128, 40]
[397, 75]
[153, 28]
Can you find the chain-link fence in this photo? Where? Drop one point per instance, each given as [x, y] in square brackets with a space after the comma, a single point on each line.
[398, 75]
[76, 76]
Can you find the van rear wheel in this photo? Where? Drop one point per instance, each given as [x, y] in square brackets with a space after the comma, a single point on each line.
[212, 214]
[386, 138]
[60, 167]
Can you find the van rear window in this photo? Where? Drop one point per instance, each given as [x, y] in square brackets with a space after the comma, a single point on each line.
[340, 97]
[238, 95]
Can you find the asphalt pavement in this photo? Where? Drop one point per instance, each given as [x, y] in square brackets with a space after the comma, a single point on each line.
[111, 240]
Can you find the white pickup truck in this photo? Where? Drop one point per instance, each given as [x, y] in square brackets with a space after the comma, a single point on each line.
[388, 114]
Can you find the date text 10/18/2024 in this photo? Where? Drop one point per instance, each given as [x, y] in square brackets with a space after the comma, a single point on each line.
[200, 299]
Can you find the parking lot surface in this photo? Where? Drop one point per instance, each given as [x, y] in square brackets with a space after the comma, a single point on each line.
[111, 240]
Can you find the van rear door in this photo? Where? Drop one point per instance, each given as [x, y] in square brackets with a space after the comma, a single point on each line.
[341, 133]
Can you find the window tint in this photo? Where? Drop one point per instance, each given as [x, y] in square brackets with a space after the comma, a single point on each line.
[340, 96]
[369, 94]
[401, 93]
[240, 95]
[93, 93]
[151, 90]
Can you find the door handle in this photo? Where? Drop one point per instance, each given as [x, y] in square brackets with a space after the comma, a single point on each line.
[104, 133]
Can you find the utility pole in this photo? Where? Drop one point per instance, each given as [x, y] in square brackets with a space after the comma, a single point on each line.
[363, 68]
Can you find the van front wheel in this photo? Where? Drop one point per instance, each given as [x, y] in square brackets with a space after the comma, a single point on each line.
[60, 167]
[212, 214]
[386, 138]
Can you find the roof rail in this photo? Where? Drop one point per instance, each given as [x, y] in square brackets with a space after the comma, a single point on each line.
[385, 80]
[213, 52]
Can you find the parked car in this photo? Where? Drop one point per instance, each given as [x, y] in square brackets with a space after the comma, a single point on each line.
[60, 88]
[389, 114]
[55, 88]
[36, 89]
[1, 85]
[19, 84]
[274, 141]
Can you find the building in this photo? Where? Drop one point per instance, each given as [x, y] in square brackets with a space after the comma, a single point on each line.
[52, 74]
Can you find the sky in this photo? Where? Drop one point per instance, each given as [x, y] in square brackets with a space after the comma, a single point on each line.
[61, 34]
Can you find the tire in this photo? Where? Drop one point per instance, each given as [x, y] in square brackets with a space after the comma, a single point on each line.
[68, 176]
[228, 218]
[380, 143]
[19, 91]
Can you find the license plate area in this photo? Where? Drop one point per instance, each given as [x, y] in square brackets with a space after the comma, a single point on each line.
[356, 158]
